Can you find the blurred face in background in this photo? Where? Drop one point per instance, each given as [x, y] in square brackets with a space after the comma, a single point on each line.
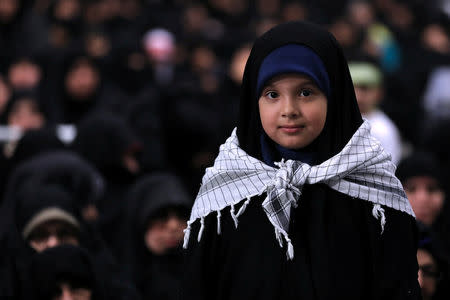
[426, 197]
[344, 32]
[25, 115]
[238, 62]
[368, 97]
[435, 38]
[294, 11]
[67, 10]
[165, 234]
[361, 13]
[428, 273]
[8, 10]
[67, 291]
[82, 80]
[5, 94]
[53, 233]
[24, 74]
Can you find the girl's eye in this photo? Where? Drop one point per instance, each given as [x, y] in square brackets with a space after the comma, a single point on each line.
[272, 95]
[305, 93]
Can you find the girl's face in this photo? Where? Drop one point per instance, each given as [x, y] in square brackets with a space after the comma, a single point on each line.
[293, 110]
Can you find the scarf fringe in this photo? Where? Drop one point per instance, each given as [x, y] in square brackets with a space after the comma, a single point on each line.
[278, 237]
[290, 247]
[187, 233]
[187, 230]
[219, 231]
[290, 250]
[243, 207]
[233, 215]
[378, 213]
[202, 227]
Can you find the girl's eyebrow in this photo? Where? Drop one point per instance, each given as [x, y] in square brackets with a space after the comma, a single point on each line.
[308, 81]
[268, 86]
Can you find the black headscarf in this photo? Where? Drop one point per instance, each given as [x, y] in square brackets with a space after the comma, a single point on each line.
[34, 198]
[63, 264]
[420, 163]
[103, 139]
[343, 117]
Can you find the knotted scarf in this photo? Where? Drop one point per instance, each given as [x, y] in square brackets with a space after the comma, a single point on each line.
[362, 170]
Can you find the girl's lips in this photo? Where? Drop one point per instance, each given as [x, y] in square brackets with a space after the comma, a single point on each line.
[291, 129]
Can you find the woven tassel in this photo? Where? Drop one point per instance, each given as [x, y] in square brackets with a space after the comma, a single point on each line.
[202, 227]
[290, 250]
[378, 213]
[243, 207]
[187, 233]
[279, 238]
[234, 216]
[218, 222]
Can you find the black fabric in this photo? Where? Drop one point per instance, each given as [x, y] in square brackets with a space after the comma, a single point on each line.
[63, 264]
[61, 167]
[34, 142]
[145, 117]
[419, 163]
[33, 199]
[339, 249]
[76, 267]
[104, 139]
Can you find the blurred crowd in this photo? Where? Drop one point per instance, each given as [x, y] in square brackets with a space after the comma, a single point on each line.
[110, 111]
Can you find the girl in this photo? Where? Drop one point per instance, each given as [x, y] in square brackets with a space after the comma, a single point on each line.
[301, 164]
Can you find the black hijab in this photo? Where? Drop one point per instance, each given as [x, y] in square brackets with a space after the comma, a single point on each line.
[63, 264]
[343, 116]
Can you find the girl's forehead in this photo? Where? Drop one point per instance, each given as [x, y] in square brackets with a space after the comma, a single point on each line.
[290, 76]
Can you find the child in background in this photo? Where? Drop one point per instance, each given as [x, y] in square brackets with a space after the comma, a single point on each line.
[368, 82]
[303, 165]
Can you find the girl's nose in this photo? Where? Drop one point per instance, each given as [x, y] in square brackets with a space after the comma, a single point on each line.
[289, 109]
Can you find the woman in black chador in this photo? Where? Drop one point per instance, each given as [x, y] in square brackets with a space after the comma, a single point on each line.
[301, 203]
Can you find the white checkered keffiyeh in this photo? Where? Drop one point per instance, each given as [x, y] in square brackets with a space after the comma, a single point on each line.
[361, 170]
